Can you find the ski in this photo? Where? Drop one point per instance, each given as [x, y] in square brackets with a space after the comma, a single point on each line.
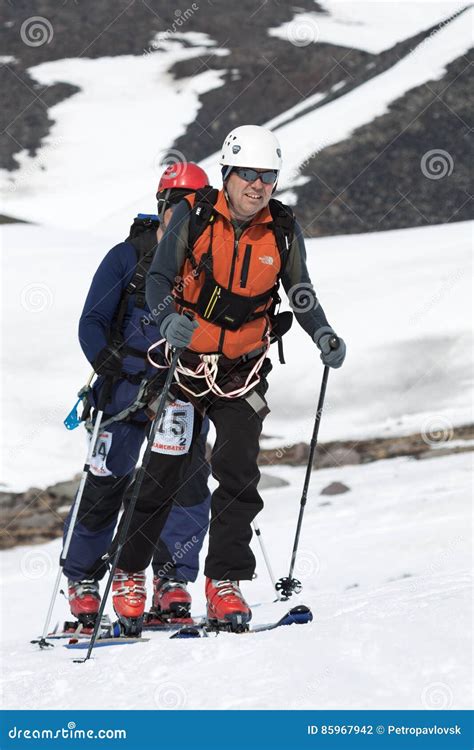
[120, 640]
[73, 631]
[299, 615]
[112, 636]
[77, 629]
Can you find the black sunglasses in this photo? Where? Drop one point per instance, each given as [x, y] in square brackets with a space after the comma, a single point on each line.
[250, 175]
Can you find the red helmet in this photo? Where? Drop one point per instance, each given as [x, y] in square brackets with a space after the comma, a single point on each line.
[182, 176]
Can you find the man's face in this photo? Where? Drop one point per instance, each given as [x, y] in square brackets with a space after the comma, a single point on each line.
[247, 198]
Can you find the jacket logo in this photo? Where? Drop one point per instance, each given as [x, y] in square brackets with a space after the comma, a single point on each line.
[266, 260]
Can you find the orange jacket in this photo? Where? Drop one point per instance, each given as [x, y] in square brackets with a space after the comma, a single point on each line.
[247, 267]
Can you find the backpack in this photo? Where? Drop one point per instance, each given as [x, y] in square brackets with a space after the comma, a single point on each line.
[142, 236]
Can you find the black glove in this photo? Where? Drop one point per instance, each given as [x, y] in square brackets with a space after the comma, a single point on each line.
[178, 330]
[108, 362]
[329, 356]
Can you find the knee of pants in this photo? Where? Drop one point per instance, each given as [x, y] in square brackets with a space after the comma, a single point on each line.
[122, 447]
[101, 500]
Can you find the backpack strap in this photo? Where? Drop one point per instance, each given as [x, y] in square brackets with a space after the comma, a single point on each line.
[145, 246]
[283, 225]
[143, 238]
[202, 214]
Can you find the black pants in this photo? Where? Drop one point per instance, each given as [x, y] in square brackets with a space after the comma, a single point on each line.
[235, 502]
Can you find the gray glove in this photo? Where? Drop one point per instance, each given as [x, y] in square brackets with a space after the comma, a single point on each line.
[329, 356]
[178, 330]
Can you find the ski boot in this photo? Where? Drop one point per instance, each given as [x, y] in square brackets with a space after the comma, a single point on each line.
[84, 602]
[171, 599]
[129, 596]
[226, 607]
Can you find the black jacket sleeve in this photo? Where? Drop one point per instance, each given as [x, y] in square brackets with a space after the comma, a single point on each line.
[299, 288]
[168, 264]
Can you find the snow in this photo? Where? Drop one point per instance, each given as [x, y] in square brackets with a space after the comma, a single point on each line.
[402, 302]
[118, 150]
[310, 133]
[103, 156]
[385, 569]
[44, 290]
[369, 26]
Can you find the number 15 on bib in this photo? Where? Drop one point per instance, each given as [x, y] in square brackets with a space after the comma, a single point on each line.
[175, 429]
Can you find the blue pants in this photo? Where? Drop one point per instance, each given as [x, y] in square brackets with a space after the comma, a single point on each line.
[176, 554]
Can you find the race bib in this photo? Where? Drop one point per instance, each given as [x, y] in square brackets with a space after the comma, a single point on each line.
[98, 465]
[175, 429]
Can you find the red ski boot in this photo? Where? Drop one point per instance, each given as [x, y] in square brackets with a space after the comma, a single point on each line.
[226, 607]
[84, 601]
[171, 598]
[129, 596]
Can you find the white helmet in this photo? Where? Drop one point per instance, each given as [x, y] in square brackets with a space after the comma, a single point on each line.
[251, 146]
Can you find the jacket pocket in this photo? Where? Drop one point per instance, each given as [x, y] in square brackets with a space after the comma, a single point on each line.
[245, 266]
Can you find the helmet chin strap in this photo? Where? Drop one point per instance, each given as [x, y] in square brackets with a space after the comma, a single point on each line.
[163, 203]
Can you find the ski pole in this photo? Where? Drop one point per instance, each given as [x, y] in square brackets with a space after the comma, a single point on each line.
[124, 526]
[103, 400]
[289, 585]
[258, 534]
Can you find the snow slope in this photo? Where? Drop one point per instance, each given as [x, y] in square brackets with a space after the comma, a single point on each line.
[385, 569]
[369, 26]
[118, 150]
[309, 133]
[401, 299]
[103, 156]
